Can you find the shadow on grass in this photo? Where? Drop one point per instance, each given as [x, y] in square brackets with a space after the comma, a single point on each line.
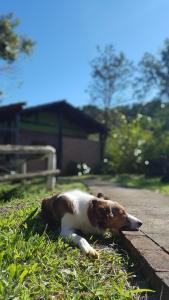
[34, 224]
[13, 192]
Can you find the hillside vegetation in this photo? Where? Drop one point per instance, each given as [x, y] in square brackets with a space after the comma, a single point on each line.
[138, 139]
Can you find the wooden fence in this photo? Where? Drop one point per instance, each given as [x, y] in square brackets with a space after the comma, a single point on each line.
[42, 151]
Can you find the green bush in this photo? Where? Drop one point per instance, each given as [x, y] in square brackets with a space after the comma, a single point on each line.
[125, 144]
[105, 167]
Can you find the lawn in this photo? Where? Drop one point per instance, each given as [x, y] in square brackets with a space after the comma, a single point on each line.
[36, 264]
[139, 181]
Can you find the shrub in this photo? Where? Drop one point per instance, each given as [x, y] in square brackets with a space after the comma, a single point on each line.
[125, 144]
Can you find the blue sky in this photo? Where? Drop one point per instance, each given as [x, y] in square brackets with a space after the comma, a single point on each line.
[67, 32]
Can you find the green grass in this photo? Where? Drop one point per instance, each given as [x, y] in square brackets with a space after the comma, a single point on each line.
[133, 181]
[37, 264]
[139, 181]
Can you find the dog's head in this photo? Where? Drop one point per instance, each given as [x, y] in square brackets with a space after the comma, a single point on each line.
[107, 214]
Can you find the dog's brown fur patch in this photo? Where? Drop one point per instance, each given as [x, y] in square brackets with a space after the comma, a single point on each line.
[105, 215]
[54, 208]
[98, 212]
[119, 218]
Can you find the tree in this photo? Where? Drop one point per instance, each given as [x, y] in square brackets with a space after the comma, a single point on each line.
[154, 74]
[111, 74]
[12, 45]
[126, 142]
[94, 112]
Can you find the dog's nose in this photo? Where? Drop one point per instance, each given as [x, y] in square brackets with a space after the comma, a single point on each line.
[140, 223]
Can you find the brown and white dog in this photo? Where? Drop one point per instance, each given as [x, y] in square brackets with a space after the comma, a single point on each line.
[76, 210]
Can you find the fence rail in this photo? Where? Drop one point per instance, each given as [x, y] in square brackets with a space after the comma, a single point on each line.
[47, 152]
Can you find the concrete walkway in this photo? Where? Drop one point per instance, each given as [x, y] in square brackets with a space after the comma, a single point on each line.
[152, 208]
[152, 242]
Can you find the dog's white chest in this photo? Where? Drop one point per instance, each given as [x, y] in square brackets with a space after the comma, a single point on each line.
[79, 220]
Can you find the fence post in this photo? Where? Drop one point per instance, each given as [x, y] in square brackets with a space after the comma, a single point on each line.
[47, 151]
[51, 179]
[24, 170]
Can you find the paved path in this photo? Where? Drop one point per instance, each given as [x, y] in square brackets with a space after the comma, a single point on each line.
[152, 208]
[150, 246]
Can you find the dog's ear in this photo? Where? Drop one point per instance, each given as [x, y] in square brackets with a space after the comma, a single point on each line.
[100, 195]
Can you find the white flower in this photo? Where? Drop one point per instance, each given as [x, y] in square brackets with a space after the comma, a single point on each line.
[105, 160]
[139, 116]
[84, 166]
[86, 171]
[149, 119]
[162, 105]
[146, 162]
[137, 152]
[12, 172]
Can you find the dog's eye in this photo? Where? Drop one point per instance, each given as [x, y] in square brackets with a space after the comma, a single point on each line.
[114, 210]
[106, 210]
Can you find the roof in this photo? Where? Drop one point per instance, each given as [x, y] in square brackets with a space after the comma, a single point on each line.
[75, 115]
[9, 111]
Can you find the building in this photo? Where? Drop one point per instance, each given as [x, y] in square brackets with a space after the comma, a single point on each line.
[58, 124]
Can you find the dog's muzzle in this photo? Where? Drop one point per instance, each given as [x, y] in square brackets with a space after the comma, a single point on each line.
[133, 224]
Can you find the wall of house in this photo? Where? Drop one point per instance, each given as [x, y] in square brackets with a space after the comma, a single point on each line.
[42, 129]
[80, 150]
[37, 138]
[74, 149]
[49, 123]
[7, 131]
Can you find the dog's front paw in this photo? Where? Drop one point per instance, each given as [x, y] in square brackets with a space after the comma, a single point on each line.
[93, 253]
[87, 249]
